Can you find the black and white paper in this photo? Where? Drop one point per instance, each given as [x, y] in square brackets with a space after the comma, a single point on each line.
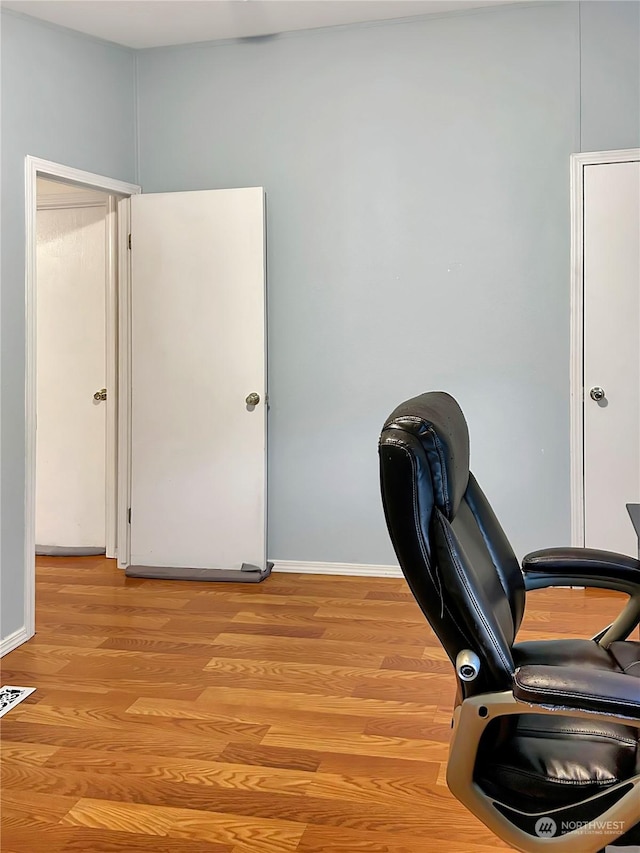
[10, 696]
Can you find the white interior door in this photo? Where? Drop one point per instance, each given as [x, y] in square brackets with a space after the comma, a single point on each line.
[198, 451]
[71, 364]
[611, 353]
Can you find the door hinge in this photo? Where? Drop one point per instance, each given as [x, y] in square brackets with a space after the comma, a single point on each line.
[129, 240]
[129, 515]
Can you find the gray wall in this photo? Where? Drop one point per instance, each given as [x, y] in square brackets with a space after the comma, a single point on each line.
[417, 177]
[610, 35]
[69, 99]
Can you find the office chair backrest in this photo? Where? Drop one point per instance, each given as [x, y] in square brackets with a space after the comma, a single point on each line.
[451, 548]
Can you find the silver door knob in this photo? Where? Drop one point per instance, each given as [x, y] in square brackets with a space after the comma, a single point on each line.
[253, 399]
[597, 393]
[100, 395]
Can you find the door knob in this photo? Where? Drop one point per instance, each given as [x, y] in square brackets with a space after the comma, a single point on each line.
[253, 399]
[597, 393]
[100, 395]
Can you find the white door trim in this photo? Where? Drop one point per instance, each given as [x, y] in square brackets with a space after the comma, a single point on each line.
[111, 375]
[123, 527]
[578, 163]
[34, 166]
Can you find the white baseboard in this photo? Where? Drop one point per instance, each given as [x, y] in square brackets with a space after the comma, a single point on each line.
[351, 569]
[13, 641]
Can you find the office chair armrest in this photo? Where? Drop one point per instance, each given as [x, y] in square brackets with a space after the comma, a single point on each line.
[581, 567]
[578, 687]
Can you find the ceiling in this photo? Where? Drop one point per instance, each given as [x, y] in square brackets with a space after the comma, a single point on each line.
[156, 23]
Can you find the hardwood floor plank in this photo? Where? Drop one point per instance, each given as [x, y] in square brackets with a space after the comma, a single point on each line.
[375, 766]
[137, 597]
[159, 642]
[426, 686]
[103, 683]
[326, 840]
[401, 663]
[124, 740]
[160, 768]
[408, 728]
[25, 754]
[264, 836]
[101, 616]
[271, 756]
[348, 608]
[402, 790]
[103, 720]
[361, 632]
[383, 747]
[27, 817]
[389, 595]
[108, 702]
[87, 641]
[296, 649]
[255, 715]
[23, 660]
[29, 807]
[390, 630]
[306, 677]
[309, 702]
[81, 839]
[24, 835]
[97, 656]
[224, 608]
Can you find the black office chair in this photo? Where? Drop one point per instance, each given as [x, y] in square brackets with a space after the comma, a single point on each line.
[545, 747]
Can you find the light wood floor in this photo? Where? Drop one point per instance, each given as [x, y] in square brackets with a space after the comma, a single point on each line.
[306, 714]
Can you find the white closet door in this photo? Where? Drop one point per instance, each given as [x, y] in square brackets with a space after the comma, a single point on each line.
[198, 449]
[611, 353]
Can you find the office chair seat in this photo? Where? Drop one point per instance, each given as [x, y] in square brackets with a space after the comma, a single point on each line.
[546, 735]
[618, 657]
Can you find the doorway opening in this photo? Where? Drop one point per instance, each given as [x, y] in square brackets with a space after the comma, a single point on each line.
[77, 226]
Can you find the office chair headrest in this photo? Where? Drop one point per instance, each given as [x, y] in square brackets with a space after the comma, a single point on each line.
[437, 421]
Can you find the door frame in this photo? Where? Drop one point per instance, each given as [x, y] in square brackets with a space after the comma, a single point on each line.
[36, 167]
[123, 462]
[578, 164]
